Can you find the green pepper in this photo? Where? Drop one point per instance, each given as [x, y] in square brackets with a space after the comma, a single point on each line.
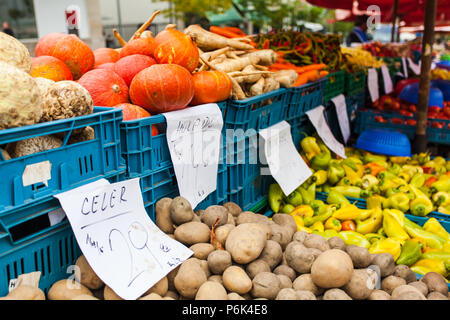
[307, 195]
[287, 208]
[443, 184]
[326, 188]
[309, 221]
[390, 192]
[344, 182]
[309, 145]
[395, 169]
[295, 198]
[410, 254]
[385, 175]
[381, 232]
[335, 173]
[348, 191]
[275, 197]
[355, 238]
[318, 206]
[418, 180]
[369, 157]
[373, 237]
[437, 255]
[321, 161]
[338, 198]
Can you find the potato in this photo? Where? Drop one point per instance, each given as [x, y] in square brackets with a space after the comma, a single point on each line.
[66, 289]
[151, 296]
[285, 270]
[235, 279]
[170, 278]
[235, 296]
[360, 285]
[265, 285]
[246, 217]
[386, 263]
[285, 282]
[109, 294]
[281, 234]
[256, 267]
[202, 250]
[222, 233]
[337, 243]
[389, 283]
[246, 242]
[162, 215]
[233, 208]
[287, 294]
[305, 295]
[192, 232]
[218, 261]
[211, 290]
[171, 236]
[172, 294]
[98, 293]
[196, 218]
[204, 265]
[300, 236]
[435, 282]
[181, 211]
[167, 298]
[85, 297]
[403, 271]
[285, 220]
[379, 295]
[436, 296]
[283, 259]
[230, 219]
[272, 254]
[336, 294]
[189, 278]
[421, 286]
[304, 283]
[299, 257]
[360, 256]
[315, 252]
[88, 277]
[332, 269]
[407, 292]
[213, 214]
[316, 241]
[217, 278]
[160, 288]
[25, 292]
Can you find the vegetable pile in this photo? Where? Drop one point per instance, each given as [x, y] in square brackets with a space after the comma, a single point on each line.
[378, 49]
[358, 58]
[243, 256]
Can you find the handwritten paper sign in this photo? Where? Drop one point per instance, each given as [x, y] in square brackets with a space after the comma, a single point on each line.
[414, 67]
[405, 67]
[317, 118]
[341, 111]
[120, 242]
[193, 137]
[388, 86]
[372, 82]
[285, 163]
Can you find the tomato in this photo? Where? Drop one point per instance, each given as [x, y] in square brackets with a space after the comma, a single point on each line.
[397, 120]
[395, 105]
[380, 119]
[438, 125]
[348, 225]
[434, 109]
[413, 108]
[406, 113]
[410, 122]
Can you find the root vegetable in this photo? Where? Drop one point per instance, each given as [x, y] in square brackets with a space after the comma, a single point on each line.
[265, 285]
[235, 279]
[246, 217]
[249, 75]
[281, 234]
[217, 278]
[181, 211]
[361, 284]
[85, 134]
[332, 269]
[435, 282]
[304, 282]
[202, 250]
[272, 253]
[266, 57]
[237, 93]
[246, 242]
[162, 219]
[305, 295]
[208, 41]
[222, 233]
[160, 288]
[271, 85]
[211, 290]
[88, 277]
[192, 232]
[436, 296]
[218, 261]
[189, 278]
[379, 295]
[212, 213]
[235, 296]
[300, 236]
[85, 297]
[34, 145]
[336, 294]
[386, 263]
[403, 271]
[316, 241]
[233, 208]
[285, 282]
[237, 64]
[211, 55]
[287, 294]
[286, 78]
[299, 258]
[421, 286]
[25, 292]
[109, 294]
[285, 270]
[407, 292]
[285, 220]
[258, 87]
[337, 243]
[256, 267]
[66, 289]
[360, 256]
[151, 296]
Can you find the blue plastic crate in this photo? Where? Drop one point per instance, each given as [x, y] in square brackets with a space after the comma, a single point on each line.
[304, 98]
[71, 165]
[355, 83]
[335, 85]
[354, 103]
[257, 112]
[144, 153]
[29, 243]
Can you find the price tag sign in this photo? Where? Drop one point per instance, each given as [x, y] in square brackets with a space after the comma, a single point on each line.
[341, 111]
[120, 242]
[372, 82]
[388, 86]
[317, 118]
[405, 67]
[414, 67]
[193, 137]
[285, 163]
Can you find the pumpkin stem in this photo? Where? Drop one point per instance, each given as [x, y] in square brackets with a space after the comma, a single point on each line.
[119, 38]
[144, 27]
[171, 26]
[116, 88]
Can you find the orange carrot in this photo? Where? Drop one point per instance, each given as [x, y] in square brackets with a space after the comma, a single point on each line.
[224, 33]
[323, 73]
[235, 30]
[306, 77]
[311, 67]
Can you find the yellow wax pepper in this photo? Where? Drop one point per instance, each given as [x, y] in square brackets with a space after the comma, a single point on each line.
[352, 237]
[372, 223]
[327, 234]
[333, 224]
[317, 226]
[388, 245]
[299, 221]
[347, 212]
[302, 211]
[393, 222]
[433, 226]
[434, 265]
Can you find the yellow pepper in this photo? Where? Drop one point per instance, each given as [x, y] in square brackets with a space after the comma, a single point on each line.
[347, 212]
[299, 221]
[302, 211]
[388, 245]
[433, 226]
[372, 223]
[317, 226]
[306, 229]
[352, 237]
[327, 234]
[421, 205]
[446, 247]
[393, 222]
[333, 224]
[353, 175]
[434, 265]
[420, 270]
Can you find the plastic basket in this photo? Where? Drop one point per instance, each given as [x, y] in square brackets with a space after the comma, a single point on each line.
[143, 152]
[355, 83]
[29, 243]
[384, 141]
[335, 85]
[256, 113]
[71, 165]
[304, 98]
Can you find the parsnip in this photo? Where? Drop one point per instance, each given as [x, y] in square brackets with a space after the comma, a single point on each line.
[236, 64]
[211, 55]
[208, 41]
[266, 57]
[270, 84]
[286, 78]
[257, 88]
[237, 92]
[249, 75]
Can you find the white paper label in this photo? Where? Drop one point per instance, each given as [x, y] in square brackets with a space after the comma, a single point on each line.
[414, 67]
[28, 279]
[342, 115]
[388, 86]
[285, 163]
[120, 242]
[405, 67]
[193, 137]
[372, 82]
[36, 173]
[320, 123]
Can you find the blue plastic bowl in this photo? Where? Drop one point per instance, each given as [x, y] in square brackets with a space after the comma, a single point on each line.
[444, 86]
[391, 143]
[410, 93]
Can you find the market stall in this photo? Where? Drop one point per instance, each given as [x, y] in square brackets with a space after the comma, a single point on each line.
[215, 165]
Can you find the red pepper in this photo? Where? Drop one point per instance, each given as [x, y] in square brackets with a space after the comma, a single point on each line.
[429, 170]
[430, 181]
[266, 44]
[348, 225]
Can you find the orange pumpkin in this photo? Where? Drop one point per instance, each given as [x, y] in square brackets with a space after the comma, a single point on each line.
[107, 66]
[105, 55]
[50, 67]
[106, 87]
[138, 46]
[134, 112]
[129, 66]
[173, 46]
[211, 86]
[162, 88]
[70, 49]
